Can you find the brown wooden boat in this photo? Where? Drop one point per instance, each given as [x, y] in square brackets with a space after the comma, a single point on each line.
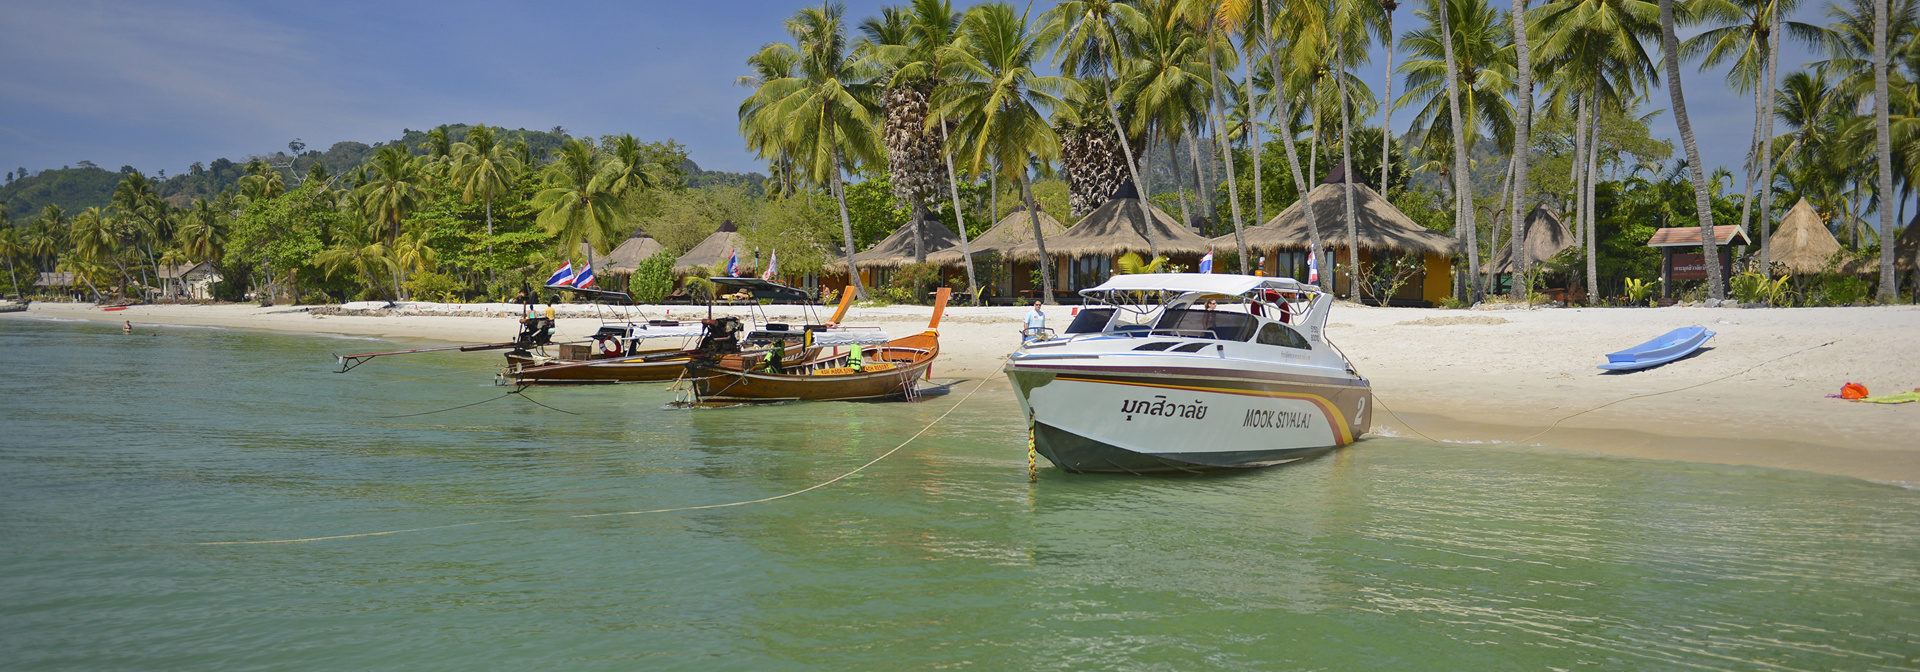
[889, 371]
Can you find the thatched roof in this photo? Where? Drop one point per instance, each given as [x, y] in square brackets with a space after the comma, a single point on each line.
[626, 258]
[1544, 236]
[896, 249]
[1380, 225]
[1011, 231]
[1114, 229]
[1802, 244]
[711, 251]
[60, 279]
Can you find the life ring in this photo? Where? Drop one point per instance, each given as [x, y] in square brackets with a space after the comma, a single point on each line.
[610, 347]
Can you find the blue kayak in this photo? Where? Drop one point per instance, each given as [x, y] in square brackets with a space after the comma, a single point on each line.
[1668, 347]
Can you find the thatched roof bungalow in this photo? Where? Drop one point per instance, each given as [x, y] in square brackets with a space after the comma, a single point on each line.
[1543, 235]
[626, 258]
[896, 249]
[1012, 231]
[1383, 231]
[714, 250]
[1083, 255]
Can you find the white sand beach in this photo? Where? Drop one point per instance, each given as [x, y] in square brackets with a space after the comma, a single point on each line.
[1757, 395]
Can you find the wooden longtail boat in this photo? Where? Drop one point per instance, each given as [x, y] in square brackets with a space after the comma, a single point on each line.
[888, 371]
[614, 357]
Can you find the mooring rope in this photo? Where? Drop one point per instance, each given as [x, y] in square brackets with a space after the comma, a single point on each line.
[1556, 423]
[822, 484]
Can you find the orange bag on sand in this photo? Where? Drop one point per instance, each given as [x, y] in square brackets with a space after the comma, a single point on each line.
[1853, 391]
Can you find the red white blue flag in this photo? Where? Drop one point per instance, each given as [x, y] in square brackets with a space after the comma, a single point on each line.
[562, 277]
[1313, 267]
[733, 262]
[1206, 262]
[585, 278]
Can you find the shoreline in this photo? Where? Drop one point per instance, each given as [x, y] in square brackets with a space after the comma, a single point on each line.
[1755, 396]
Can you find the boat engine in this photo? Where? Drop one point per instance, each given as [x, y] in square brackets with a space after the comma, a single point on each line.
[535, 332]
[723, 336]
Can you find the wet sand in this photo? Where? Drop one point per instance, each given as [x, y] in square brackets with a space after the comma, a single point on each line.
[1756, 395]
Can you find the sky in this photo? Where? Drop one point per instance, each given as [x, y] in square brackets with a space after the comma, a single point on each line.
[159, 86]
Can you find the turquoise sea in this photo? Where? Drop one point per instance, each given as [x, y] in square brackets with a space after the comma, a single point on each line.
[121, 457]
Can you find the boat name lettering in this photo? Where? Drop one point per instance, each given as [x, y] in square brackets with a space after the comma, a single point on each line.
[1159, 406]
[1278, 419]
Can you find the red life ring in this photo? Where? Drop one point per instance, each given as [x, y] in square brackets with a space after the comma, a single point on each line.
[610, 347]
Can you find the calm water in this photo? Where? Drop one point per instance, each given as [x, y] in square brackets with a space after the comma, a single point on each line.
[120, 454]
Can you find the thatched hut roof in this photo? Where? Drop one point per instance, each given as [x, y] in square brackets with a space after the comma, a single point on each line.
[1802, 244]
[711, 251]
[896, 249]
[1689, 236]
[1011, 231]
[1114, 229]
[1544, 236]
[626, 258]
[1380, 225]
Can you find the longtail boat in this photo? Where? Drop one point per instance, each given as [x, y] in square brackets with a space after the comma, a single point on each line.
[615, 354]
[890, 370]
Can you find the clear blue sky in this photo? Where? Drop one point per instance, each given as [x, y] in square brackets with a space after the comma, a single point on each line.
[161, 85]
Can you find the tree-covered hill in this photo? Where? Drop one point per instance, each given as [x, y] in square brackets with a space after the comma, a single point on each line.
[72, 188]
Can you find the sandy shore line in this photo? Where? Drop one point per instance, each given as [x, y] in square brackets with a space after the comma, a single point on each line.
[1757, 396]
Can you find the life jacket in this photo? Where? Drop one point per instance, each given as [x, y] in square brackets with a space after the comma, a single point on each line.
[855, 358]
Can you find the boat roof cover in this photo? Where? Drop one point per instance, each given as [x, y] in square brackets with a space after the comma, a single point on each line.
[1204, 283]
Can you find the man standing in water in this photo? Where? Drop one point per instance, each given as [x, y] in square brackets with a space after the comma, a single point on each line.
[1036, 322]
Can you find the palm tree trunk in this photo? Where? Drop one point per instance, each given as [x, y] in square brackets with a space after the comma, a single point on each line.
[1462, 181]
[1202, 177]
[1670, 47]
[489, 201]
[1226, 150]
[1253, 135]
[993, 195]
[1186, 217]
[920, 214]
[1576, 171]
[1522, 144]
[1593, 178]
[15, 277]
[1281, 102]
[1386, 106]
[1889, 291]
[1199, 180]
[1356, 272]
[1493, 235]
[1039, 239]
[1753, 152]
[846, 227]
[959, 217]
[1133, 168]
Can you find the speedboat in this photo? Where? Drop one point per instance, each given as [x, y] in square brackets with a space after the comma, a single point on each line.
[1187, 372]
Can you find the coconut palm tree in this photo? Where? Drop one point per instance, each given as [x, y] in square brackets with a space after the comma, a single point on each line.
[47, 236]
[932, 24]
[1462, 182]
[823, 116]
[12, 247]
[365, 260]
[1741, 38]
[1092, 38]
[1670, 47]
[913, 172]
[1883, 137]
[397, 187]
[1165, 85]
[1522, 143]
[1293, 72]
[485, 170]
[579, 203]
[764, 135]
[1387, 8]
[204, 233]
[633, 172]
[1213, 22]
[998, 105]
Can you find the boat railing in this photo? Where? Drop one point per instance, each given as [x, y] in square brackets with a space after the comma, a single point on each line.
[1187, 333]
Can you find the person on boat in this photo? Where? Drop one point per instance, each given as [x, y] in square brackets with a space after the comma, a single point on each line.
[777, 357]
[856, 360]
[1036, 322]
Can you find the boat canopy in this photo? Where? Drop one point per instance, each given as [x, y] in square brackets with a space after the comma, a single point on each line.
[1195, 283]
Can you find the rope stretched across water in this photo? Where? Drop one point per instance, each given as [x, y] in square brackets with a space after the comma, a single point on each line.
[1570, 416]
[817, 486]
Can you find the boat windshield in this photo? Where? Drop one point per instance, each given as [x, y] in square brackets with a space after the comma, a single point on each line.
[1201, 323]
[1090, 321]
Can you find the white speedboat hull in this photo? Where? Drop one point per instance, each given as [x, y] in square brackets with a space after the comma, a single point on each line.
[1137, 422]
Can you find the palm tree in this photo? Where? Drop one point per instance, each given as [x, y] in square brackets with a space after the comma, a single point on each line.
[1288, 83]
[47, 236]
[204, 234]
[1213, 27]
[1743, 36]
[1462, 182]
[579, 203]
[397, 188]
[825, 107]
[634, 173]
[485, 170]
[997, 105]
[1670, 47]
[932, 24]
[1092, 37]
[12, 248]
[912, 171]
[93, 241]
[765, 135]
[1522, 143]
[1387, 7]
[363, 260]
[1164, 84]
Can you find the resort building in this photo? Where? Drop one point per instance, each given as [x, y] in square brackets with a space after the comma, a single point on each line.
[1387, 239]
[1542, 236]
[190, 282]
[1678, 263]
[1083, 255]
[1008, 276]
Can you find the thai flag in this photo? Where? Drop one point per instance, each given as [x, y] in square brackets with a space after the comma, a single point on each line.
[585, 278]
[562, 277]
[1206, 262]
[733, 263]
[773, 266]
[1313, 267]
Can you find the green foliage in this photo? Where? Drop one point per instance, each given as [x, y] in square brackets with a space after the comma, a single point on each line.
[910, 284]
[435, 286]
[1132, 263]
[653, 280]
[284, 234]
[1751, 287]
[73, 189]
[1638, 290]
[874, 211]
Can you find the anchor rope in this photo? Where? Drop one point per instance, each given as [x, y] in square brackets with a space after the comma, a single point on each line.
[1556, 423]
[817, 486]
